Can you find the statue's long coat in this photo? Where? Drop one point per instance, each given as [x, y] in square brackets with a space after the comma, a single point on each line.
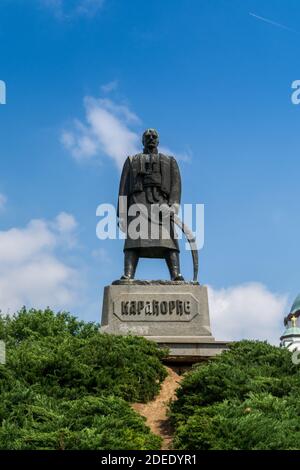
[156, 183]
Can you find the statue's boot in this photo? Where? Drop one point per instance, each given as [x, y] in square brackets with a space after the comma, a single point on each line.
[131, 258]
[172, 259]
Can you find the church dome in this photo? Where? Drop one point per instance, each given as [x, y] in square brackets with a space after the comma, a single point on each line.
[291, 331]
[296, 305]
[291, 336]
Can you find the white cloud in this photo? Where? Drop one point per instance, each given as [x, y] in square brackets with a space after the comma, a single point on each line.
[66, 9]
[3, 200]
[106, 132]
[182, 156]
[66, 225]
[65, 222]
[110, 86]
[109, 130]
[81, 143]
[31, 271]
[247, 311]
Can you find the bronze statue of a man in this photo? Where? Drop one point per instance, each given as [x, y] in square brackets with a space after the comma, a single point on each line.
[150, 178]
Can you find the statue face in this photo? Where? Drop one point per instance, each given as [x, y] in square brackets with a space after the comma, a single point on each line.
[150, 139]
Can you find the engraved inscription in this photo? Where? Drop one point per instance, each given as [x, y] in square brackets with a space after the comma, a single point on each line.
[155, 307]
[165, 307]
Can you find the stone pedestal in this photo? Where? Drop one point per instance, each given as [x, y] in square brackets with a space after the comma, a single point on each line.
[173, 314]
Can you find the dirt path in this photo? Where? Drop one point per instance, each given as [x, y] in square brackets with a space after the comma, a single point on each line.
[155, 411]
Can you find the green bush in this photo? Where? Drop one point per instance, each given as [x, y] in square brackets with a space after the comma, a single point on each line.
[65, 385]
[43, 323]
[244, 399]
[66, 358]
[36, 422]
[262, 422]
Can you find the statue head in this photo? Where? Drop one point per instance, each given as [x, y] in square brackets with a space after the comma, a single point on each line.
[150, 140]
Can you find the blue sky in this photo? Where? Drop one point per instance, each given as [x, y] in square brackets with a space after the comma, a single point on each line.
[214, 77]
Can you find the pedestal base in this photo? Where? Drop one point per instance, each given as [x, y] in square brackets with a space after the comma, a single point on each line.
[173, 314]
[189, 349]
